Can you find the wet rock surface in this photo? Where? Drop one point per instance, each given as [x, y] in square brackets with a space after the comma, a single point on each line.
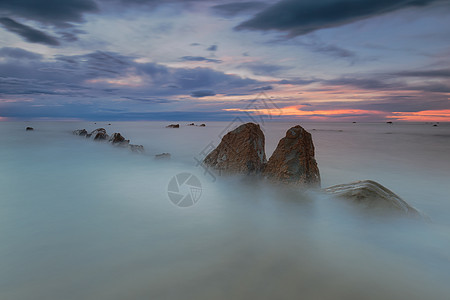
[372, 195]
[241, 151]
[293, 160]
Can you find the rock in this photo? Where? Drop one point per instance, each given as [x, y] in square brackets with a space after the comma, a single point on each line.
[99, 134]
[192, 124]
[371, 194]
[241, 151]
[136, 148]
[173, 126]
[117, 138]
[80, 132]
[293, 160]
[162, 156]
[434, 125]
[202, 125]
[29, 129]
[389, 122]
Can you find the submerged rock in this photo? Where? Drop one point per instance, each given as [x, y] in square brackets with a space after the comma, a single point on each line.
[80, 132]
[293, 160]
[173, 126]
[29, 129]
[136, 148]
[371, 194]
[162, 156]
[241, 151]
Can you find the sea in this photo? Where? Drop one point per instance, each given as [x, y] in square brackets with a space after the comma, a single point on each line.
[81, 219]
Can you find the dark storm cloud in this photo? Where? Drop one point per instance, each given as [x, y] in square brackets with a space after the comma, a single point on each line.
[200, 58]
[202, 93]
[444, 73]
[18, 53]
[235, 8]
[28, 33]
[302, 17]
[58, 13]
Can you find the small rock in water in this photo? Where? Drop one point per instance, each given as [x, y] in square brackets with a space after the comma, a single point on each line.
[136, 148]
[202, 125]
[173, 126]
[293, 160]
[371, 195]
[80, 132]
[162, 156]
[192, 124]
[29, 129]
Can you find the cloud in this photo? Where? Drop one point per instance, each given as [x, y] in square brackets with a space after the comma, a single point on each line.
[28, 33]
[18, 53]
[263, 88]
[58, 13]
[200, 58]
[302, 17]
[235, 8]
[202, 93]
[263, 69]
[212, 48]
[444, 73]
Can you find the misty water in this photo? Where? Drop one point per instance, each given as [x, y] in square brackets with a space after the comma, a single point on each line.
[85, 220]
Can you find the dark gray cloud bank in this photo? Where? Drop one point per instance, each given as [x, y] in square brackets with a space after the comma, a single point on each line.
[302, 17]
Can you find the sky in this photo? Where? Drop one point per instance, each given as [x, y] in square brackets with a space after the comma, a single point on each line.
[306, 60]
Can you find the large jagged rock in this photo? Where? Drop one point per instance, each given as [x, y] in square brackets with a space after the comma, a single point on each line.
[241, 151]
[371, 194]
[293, 160]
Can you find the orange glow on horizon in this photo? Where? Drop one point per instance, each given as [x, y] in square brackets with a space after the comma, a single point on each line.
[423, 116]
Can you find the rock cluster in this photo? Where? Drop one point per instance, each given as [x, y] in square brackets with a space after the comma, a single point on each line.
[241, 151]
[373, 195]
[293, 160]
[116, 138]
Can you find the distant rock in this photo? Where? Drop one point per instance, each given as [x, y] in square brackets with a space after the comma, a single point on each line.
[136, 148]
[389, 122]
[173, 126]
[80, 132]
[293, 160]
[99, 134]
[371, 194]
[434, 125]
[191, 124]
[117, 139]
[29, 129]
[163, 156]
[202, 125]
[241, 151]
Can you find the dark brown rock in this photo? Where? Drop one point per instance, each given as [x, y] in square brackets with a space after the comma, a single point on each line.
[241, 151]
[29, 129]
[116, 138]
[191, 124]
[202, 125]
[99, 134]
[173, 126]
[372, 195]
[293, 160]
[80, 132]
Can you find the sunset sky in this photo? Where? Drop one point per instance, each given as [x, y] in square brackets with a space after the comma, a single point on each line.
[321, 60]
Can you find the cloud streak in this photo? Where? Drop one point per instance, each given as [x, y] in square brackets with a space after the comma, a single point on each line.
[28, 33]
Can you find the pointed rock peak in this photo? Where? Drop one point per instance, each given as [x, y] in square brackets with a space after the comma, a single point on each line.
[241, 151]
[293, 160]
